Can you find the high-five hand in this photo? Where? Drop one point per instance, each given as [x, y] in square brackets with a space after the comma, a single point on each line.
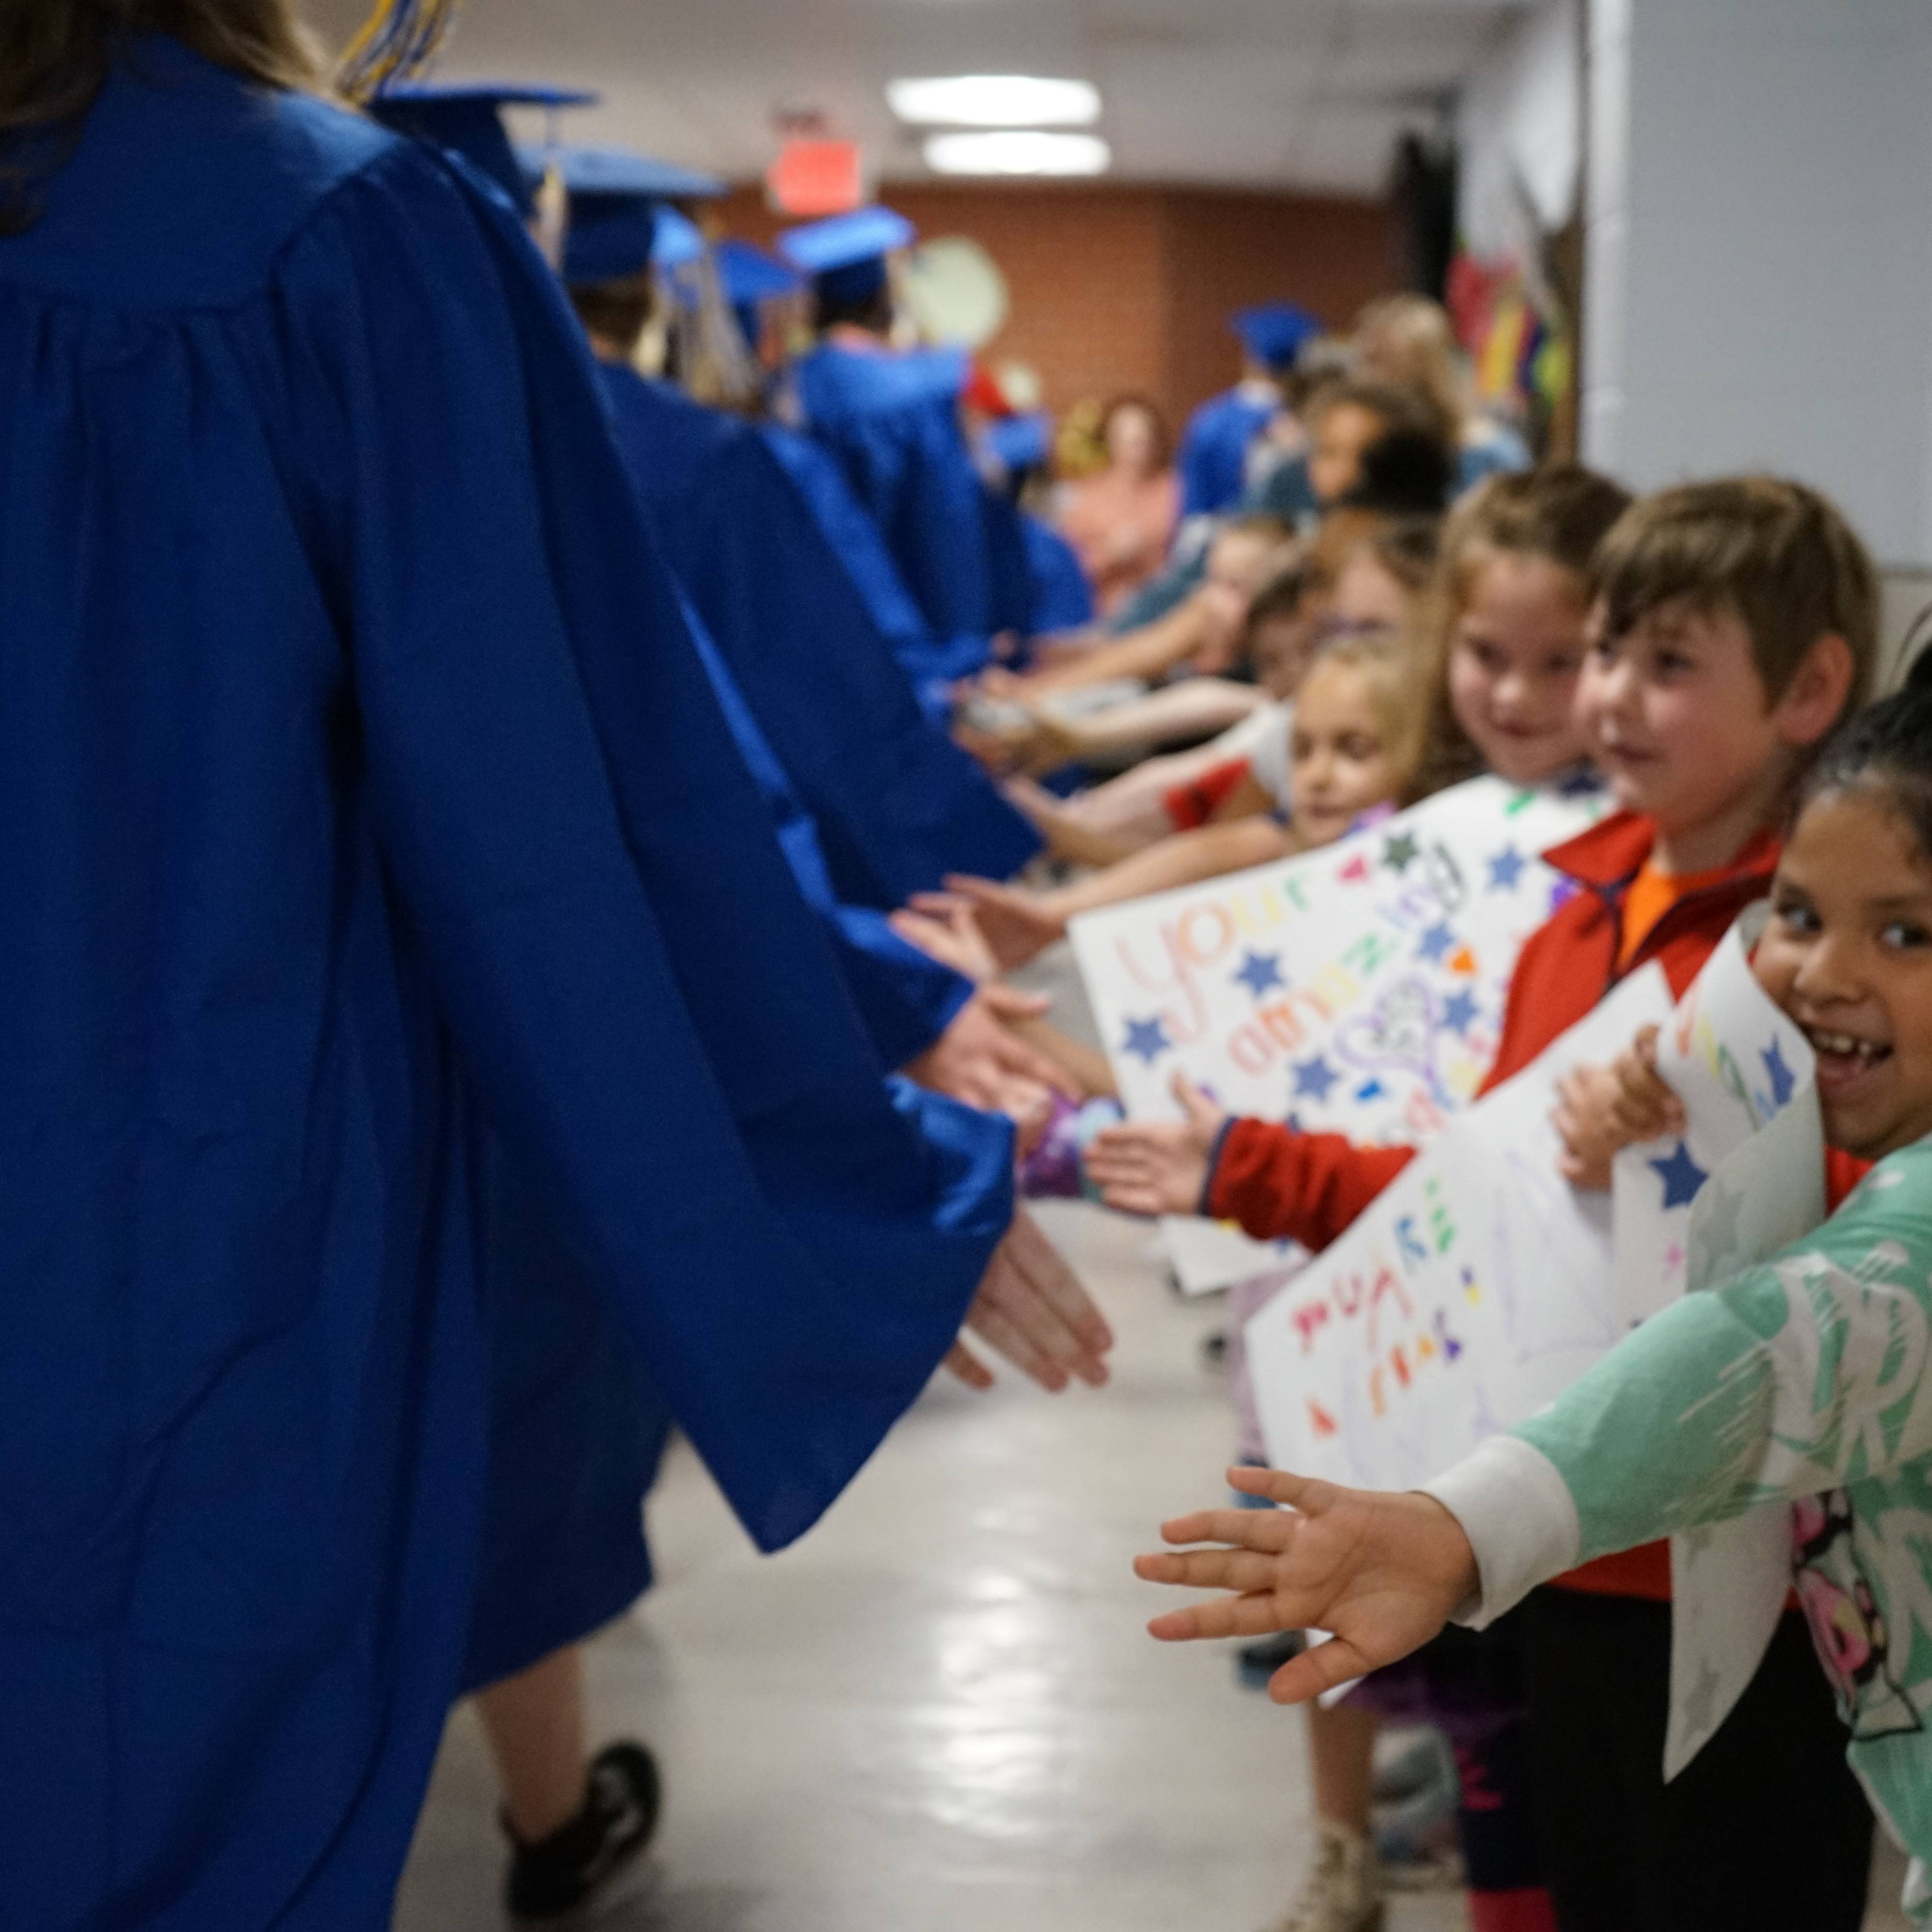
[1158, 1167]
[1030, 1307]
[1381, 1572]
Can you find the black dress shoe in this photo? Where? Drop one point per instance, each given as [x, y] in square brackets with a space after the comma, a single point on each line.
[559, 1873]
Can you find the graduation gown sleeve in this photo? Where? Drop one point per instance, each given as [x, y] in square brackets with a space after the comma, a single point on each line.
[897, 804]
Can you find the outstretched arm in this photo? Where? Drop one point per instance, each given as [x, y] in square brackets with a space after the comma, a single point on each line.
[1017, 924]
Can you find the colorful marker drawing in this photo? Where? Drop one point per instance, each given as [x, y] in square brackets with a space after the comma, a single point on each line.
[1478, 1285]
[1386, 956]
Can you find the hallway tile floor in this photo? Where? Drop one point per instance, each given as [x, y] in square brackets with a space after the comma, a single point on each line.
[940, 1712]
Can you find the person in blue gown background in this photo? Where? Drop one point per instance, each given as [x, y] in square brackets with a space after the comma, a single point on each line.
[1017, 452]
[1214, 457]
[326, 655]
[891, 419]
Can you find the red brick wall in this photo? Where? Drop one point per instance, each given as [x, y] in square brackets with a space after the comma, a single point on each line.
[1130, 288]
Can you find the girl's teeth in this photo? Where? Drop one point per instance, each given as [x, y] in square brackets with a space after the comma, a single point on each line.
[1844, 1043]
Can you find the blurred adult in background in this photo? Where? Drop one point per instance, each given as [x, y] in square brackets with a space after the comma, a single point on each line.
[1121, 519]
[1409, 341]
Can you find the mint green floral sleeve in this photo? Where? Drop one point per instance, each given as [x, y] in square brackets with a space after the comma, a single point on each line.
[1804, 1378]
[1803, 1374]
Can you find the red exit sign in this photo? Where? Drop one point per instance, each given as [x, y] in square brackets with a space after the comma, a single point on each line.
[815, 177]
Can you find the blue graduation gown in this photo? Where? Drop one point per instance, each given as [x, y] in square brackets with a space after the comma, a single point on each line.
[932, 663]
[1212, 461]
[897, 804]
[905, 997]
[329, 645]
[893, 422]
[1062, 598]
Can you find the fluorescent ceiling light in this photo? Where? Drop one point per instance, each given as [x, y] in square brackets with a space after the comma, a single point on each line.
[994, 100]
[1017, 151]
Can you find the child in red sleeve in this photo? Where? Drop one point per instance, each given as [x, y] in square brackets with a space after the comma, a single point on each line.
[1735, 624]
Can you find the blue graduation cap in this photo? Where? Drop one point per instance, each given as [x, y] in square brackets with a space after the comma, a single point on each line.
[468, 120]
[845, 254]
[1273, 333]
[1019, 442]
[680, 240]
[749, 274]
[618, 222]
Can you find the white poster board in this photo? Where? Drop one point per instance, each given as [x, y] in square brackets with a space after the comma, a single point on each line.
[1357, 989]
[1736, 1063]
[1746, 1178]
[1477, 1285]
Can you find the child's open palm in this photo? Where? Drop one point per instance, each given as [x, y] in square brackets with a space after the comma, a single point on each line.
[1382, 1572]
[1158, 1167]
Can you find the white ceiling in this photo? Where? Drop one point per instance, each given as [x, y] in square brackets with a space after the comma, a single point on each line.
[1307, 94]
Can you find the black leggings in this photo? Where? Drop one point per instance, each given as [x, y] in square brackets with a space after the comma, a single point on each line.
[1765, 1829]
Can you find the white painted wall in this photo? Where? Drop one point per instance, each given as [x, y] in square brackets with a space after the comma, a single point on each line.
[1519, 132]
[1759, 294]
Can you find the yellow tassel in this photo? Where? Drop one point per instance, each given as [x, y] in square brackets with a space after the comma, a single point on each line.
[396, 43]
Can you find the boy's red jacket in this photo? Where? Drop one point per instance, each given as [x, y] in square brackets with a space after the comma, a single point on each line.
[1275, 1181]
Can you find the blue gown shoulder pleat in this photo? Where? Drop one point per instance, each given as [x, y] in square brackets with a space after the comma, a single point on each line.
[892, 423]
[931, 663]
[897, 805]
[360, 783]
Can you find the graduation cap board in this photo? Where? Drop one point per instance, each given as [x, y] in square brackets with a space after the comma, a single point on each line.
[468, 120]
[749, 274]
[1020, 442]
[746, 277]
[1273, 333]
[619, 220]
[845, 255]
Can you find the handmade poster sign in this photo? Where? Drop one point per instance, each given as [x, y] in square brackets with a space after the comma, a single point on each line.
[1745, 1179]
[1736, 1062]
[1358, 988]
[1478, 1286]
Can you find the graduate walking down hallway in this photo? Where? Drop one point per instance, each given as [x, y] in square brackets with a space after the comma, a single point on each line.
[809, 814]
[936, 1712]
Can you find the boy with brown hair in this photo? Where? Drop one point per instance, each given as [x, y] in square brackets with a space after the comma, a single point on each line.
[1735, 624]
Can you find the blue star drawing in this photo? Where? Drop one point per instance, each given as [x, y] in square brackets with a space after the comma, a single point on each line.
[1782, 1079]
[1505, 868]
[1459, 1011]
[1260, 971]
[1147, 1038]
[1399, 851]
[1681, 1175]
[1435, 942]
[1314, 1077]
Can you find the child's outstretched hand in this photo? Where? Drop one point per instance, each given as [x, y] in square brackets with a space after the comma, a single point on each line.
[1016, 924]
[952, 936]
[1600, 1110]
[1158, 1167]
[1383, 1572]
